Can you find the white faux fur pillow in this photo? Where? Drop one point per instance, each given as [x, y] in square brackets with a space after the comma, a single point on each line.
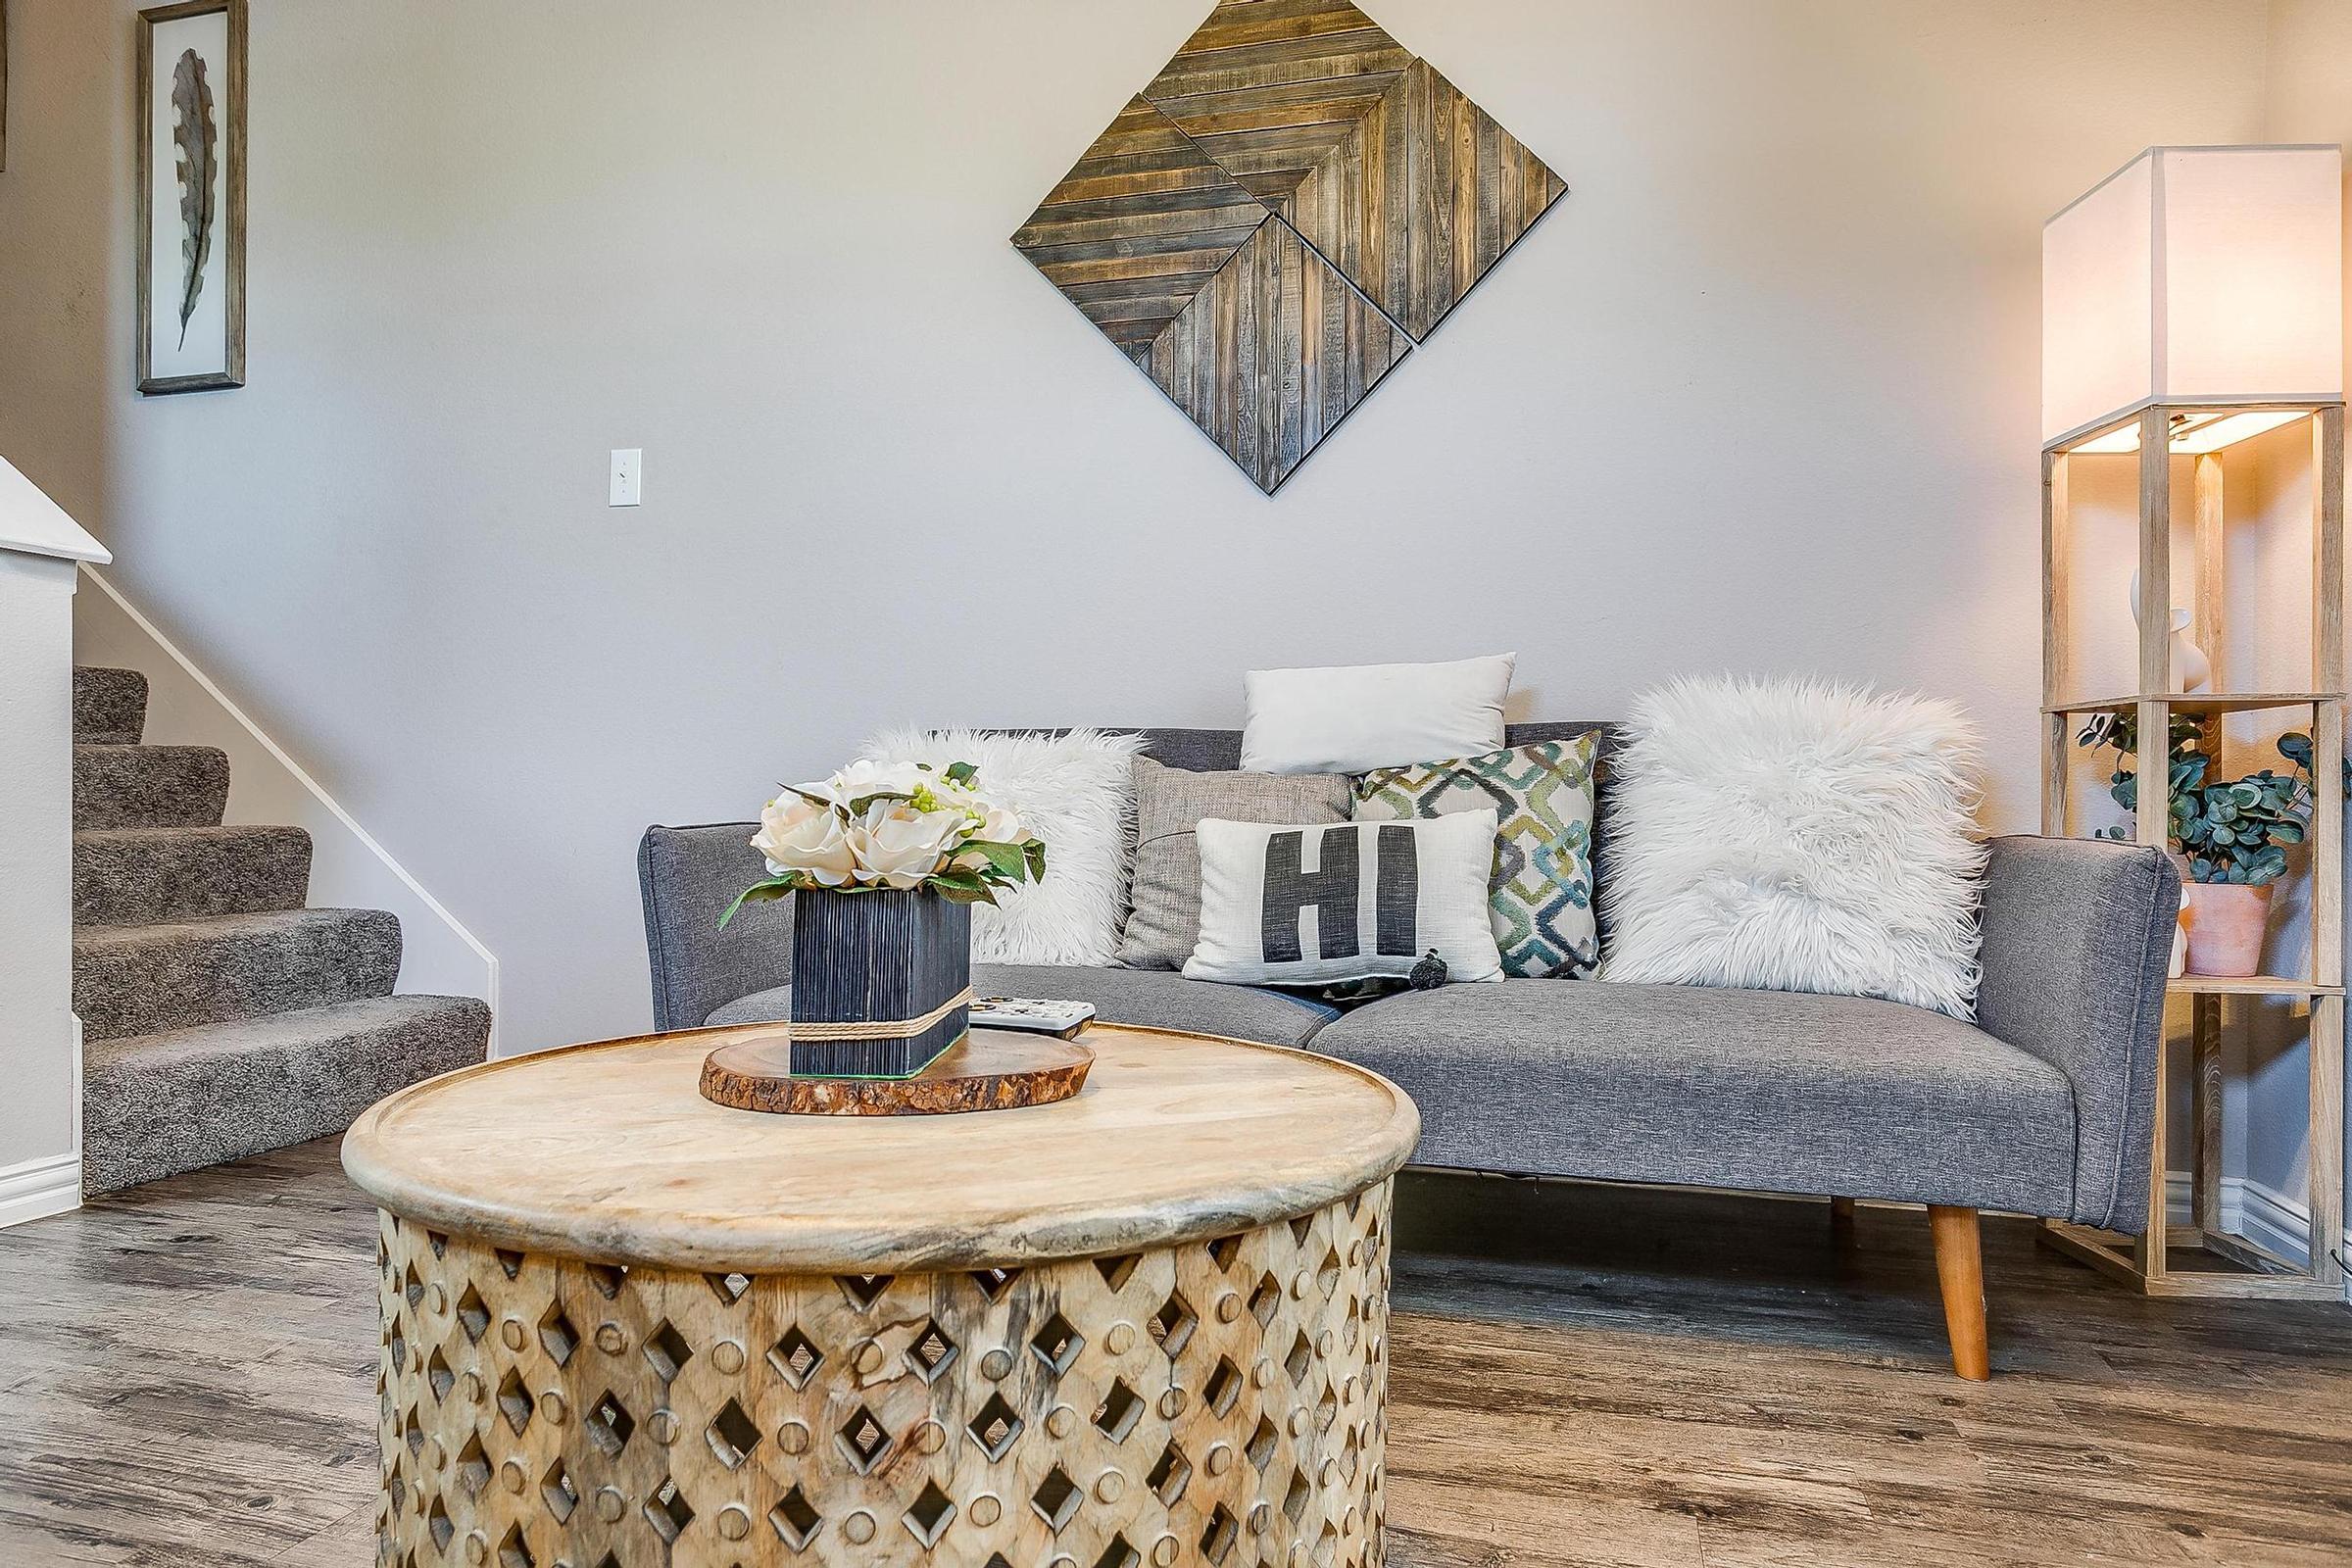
[1077, 793]
[1794, 835]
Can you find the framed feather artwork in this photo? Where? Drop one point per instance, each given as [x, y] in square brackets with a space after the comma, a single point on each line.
[191, 194]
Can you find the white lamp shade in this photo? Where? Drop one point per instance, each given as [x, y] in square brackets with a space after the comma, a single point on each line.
[2195, 276]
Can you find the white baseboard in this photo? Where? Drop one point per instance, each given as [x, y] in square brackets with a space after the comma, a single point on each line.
[39, 1188]
[2259, 1213]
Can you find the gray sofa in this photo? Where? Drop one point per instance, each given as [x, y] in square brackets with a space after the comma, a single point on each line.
[2040, 1108]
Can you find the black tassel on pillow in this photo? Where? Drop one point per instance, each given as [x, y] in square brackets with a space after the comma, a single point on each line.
[1429, 973]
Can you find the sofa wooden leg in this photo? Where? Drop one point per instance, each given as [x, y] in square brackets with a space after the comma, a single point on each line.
[1841, 1221]
[1960, 1267]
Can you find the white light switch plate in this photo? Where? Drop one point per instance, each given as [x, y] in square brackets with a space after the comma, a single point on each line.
[628, 475]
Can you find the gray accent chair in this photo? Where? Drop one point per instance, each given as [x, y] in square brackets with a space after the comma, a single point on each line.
[2040, 1108]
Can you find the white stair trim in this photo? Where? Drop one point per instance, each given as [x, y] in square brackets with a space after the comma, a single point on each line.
[483, 978]
[33, 524]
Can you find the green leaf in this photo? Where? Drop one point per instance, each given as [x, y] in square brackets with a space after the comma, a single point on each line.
[961, 773]
[1003, 858]
[767, 892]
[961, 887]
[858, 806]
[1034, 851]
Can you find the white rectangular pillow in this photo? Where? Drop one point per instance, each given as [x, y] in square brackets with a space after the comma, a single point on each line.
[1283, 903]
[1358, 717]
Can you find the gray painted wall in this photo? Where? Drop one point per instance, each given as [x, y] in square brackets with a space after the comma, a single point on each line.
[1760, 395]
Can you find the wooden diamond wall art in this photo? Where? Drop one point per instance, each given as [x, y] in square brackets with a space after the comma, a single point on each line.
[1289, 207]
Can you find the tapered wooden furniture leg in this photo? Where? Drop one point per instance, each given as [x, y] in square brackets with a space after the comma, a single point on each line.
[1841, 1221]
[1960, 1267]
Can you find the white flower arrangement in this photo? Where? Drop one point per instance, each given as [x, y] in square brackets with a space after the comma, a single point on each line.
[876, 825]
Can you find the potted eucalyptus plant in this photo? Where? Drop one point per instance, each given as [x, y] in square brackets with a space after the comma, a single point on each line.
[2232, 835]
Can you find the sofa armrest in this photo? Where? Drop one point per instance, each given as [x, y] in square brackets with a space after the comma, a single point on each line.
[687, 875]
[2077, 936]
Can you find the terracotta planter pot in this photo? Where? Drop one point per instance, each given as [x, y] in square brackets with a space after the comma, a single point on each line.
[2226, 923]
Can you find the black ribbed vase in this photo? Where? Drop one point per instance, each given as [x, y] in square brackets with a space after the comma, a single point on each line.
[888, 955]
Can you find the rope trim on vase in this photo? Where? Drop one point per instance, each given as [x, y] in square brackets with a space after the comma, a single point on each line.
[879, 1028]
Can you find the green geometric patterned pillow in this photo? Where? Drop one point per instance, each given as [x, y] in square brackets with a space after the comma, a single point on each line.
[1541, 899]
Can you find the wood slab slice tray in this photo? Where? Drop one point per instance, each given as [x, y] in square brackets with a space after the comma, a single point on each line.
[990, 1069]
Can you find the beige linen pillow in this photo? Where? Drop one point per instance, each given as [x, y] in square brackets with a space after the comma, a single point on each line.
[1163, 922]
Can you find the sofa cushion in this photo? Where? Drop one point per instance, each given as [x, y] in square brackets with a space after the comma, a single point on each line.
[1156, 997]
[1760, 1090]
[1796, 834]
[1540, 900]
[1385, 898]
[1163, 918]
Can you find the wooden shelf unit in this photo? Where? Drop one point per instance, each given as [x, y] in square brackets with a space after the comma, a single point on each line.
[2251, 985]
[2202, 701]
[2238, 1267]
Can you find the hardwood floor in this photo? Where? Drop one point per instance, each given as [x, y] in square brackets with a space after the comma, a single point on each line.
[1582, 1376]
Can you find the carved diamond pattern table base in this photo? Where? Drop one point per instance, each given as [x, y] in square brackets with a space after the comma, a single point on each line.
[1215, 1403]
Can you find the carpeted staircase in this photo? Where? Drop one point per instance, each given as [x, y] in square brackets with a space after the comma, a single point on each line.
[219, 1016]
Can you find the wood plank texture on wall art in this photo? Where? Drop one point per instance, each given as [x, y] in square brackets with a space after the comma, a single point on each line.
[1273, 353]
[1407, 187]
[1137, 228]
[1289, 207]
[1422, 199]
[1272, 89]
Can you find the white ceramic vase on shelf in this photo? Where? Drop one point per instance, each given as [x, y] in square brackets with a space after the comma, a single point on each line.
[2192, 671]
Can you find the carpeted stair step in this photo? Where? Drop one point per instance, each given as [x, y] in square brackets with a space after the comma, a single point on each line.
[110, 706]
[145, 875]
[149, 786]
[143, 979]
[156, 1103]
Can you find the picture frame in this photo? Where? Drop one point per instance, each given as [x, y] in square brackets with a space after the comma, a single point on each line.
[191, 232]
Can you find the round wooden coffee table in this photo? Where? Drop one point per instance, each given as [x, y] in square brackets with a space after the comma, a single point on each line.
[626, 1327]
